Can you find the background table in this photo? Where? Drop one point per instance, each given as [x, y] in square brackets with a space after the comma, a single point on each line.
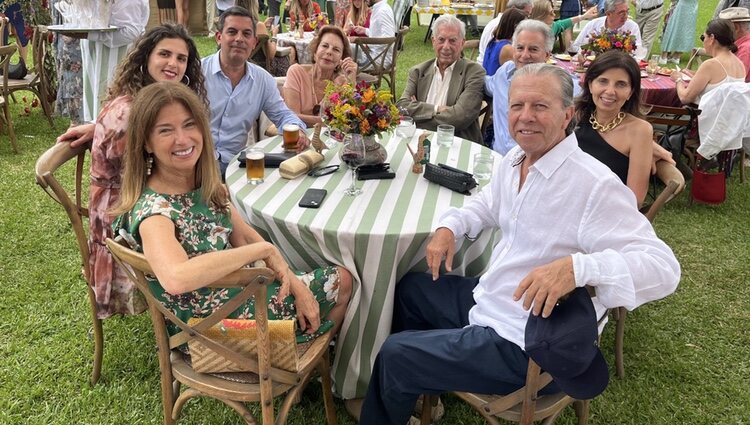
[661, 91]
[379, 236]
[436, 11]
[300, 44]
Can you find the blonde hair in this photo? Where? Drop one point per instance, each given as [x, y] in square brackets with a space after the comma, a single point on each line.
[360, 16]
[300, 14]
[541, 10]
[146, 106]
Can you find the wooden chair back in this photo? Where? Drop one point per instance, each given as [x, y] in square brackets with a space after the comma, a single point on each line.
[697, 56]
[470, 49]
[5, 54]
[375, 63]
[268, 381]
[675, 120]
[261, 45]
[48, 168]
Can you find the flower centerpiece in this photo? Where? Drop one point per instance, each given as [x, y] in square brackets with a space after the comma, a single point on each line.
[361, 111]
[317, 21]
[610, 39]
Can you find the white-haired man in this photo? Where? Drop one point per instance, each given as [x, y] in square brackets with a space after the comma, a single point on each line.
[458, 333]
[615, 18]
[447, 89]
[523, 5]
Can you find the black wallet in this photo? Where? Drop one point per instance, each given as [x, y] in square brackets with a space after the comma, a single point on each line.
[271, 160]
[452, 178]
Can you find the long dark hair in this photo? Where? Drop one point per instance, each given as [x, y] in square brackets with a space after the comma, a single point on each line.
[132, 74]
[508, 23]
[610, 59]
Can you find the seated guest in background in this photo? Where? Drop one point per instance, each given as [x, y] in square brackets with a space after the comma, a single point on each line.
[341, 9]
[571, 9]
[475, 328]
[740, 18]
[164, 53]
[500, 49]
[544, 12]
[723, 67]
[238, 91]
[448, 89]
[300, 12]
[610, 127]
[489, 30]
[358, 18]
[279, 64]
[382, 24]
[305, 86]
[532, 43]
[615, 18]
[177, 213]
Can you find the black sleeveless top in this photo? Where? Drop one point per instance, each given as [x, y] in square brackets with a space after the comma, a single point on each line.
[591, 142]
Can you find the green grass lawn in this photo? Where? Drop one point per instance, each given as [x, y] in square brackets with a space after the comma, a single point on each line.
[686, 357]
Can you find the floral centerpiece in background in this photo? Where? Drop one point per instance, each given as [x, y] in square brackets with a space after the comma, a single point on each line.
[610, 39]
[360, 110]
[317, 21]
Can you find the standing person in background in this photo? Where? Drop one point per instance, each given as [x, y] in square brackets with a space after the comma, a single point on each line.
[182, 9]
[489, 29]
[68, 62]
[725, 4]
[15, 21]
[679, 34]
[211, 17]
[647, 16]
[102, 51]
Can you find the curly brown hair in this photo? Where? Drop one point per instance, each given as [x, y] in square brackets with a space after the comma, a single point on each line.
[131, 75]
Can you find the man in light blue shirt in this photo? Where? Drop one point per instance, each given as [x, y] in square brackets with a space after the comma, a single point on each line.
[532, 43]
[239, 91]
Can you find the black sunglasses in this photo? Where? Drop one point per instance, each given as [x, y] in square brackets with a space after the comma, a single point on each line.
[703, 37]
[316, 110]
[323, 171]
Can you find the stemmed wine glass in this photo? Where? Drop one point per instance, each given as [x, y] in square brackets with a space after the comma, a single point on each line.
[353, 154]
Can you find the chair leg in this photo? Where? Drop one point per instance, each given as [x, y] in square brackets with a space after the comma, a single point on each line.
[324, 368]
[426, 416]
[620, 340]
[46, 107]
[98, 343]
[582, 411]
[11, 133]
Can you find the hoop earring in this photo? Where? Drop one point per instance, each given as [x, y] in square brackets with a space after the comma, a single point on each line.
[188, 79]
[149, 164]
[142, 71]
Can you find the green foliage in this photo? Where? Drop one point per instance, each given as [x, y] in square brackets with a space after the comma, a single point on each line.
[686, 357]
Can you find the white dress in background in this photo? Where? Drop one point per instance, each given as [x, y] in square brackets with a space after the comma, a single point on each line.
[103, 51]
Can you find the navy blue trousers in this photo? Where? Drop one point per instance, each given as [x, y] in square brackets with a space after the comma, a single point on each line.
[433, 352]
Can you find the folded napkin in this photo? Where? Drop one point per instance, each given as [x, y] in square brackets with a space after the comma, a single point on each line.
[300, 164]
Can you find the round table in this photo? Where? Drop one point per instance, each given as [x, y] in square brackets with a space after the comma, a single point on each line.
[301, 45]
[379, 236]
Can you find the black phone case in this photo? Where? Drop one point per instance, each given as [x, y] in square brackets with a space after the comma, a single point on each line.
[313, 198]
[380, 175]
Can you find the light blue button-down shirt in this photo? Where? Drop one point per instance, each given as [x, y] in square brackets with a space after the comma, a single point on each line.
[234, 111]
[498, 86]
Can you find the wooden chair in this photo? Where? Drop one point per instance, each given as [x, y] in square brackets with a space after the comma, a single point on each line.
[375, 63]
[5, 54]
[524, 405]
[47, 167]
[470, 49]
[674, 183]
[697, 56]
[233, 389]
[675, 121]
[37, 81]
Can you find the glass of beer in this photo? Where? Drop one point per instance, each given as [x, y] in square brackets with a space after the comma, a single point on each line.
[255, 165]
[291, 136]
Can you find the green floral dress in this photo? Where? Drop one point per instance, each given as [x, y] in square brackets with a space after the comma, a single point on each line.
[200, 229]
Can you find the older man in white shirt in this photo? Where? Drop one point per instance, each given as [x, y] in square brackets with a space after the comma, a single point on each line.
[648, 15]
[615, 18]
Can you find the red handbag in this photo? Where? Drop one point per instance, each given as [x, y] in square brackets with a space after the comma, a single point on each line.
[710, 185]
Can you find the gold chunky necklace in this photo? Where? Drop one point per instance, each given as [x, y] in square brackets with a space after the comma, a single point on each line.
[605, 128]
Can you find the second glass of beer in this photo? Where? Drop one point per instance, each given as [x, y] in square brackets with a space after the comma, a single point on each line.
[291, 136]
[255, 165]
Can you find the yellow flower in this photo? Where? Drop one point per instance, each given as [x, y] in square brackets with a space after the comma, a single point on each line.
[368, 95]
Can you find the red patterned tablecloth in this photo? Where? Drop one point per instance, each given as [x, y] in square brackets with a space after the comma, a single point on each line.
[658, 92]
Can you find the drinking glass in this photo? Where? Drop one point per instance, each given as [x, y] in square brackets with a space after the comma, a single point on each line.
[653, 67]
[255, 165]
[483, 163]
[353, 154]
[406, 128]
[445, 135]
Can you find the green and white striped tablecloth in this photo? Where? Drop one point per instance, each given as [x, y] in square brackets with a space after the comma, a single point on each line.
[379, 236]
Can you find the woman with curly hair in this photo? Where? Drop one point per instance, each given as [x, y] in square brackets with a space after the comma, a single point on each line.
[164, 53]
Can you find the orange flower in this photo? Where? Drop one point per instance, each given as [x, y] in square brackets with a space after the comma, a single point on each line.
[364, 126]
[368, 95]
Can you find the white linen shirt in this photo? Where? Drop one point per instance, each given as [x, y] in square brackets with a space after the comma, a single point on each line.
[382, 24]
[487, 36]
[570, 204]
[596, 26]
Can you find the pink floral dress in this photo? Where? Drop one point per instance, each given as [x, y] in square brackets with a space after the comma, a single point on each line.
[115, 294]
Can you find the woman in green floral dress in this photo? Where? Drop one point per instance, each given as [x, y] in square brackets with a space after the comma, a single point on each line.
[176, 211]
